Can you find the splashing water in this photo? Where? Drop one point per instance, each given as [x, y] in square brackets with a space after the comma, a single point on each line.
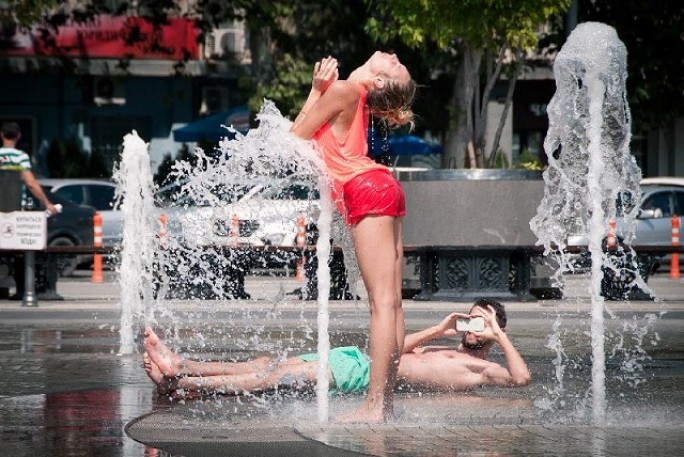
[590, 167]
[197, 249]
[134, 181]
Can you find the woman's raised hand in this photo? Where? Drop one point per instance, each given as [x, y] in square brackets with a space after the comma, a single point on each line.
[324, 74]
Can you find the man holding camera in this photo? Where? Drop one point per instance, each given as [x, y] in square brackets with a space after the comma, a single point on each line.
[465, 366]
[433, 368]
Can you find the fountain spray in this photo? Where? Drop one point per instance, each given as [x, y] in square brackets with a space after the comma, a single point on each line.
[268, 157]
[590, 167]
[134, 181]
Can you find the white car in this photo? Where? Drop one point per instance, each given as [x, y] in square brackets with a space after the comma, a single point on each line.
[661, 199]
[253, 216]
[98, 194]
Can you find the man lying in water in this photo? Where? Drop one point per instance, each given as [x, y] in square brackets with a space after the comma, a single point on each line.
[435, 368]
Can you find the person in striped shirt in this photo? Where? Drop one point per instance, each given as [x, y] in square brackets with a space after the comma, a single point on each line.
[12, 158]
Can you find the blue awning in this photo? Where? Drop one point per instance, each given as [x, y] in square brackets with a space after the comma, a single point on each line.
[210, 128]
[401, 145]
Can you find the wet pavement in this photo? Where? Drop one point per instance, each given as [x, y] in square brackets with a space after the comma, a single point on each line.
[67, 391]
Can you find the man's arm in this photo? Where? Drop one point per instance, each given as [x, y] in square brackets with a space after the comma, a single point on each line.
[517, 374]
[446, 328]
[37, 191]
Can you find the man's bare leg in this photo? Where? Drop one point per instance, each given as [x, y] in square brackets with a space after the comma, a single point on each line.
[294, 373]
[173, 365]
[164, 384]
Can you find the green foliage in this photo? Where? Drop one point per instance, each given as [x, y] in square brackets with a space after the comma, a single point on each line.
[499, 161]
[527, 161]
[28, 12]
[469, 30]
[288, 87]
[292, 35]
[480, 23]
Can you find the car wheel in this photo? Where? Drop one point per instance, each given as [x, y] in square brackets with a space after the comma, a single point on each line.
[66, 264]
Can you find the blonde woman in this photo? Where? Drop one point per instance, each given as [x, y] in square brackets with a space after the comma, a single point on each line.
[336, 117]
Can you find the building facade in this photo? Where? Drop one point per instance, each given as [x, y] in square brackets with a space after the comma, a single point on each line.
[91, 85]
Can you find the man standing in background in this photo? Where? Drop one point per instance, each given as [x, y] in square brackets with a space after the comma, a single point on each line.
[12, 158]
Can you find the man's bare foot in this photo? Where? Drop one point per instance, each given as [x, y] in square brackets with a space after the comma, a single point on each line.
[367, 413]
[168, 362]
[164, 385]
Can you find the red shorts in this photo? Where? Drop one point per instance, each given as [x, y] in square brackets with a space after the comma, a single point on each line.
[373, 193]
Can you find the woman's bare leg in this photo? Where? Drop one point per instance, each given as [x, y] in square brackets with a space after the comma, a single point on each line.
[172, 365]
[376, 252]
[399, 278]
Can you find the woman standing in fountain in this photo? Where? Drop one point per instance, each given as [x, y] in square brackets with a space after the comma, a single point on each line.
[336, 116]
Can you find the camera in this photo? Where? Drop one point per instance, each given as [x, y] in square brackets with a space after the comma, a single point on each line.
[470, 324]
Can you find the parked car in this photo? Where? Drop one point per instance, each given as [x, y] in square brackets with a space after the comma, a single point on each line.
[247, 215]
[73, 226]
[265, 216]
[96, 193]
[661, 198]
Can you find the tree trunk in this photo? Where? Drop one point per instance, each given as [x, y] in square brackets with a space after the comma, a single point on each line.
[473, 60]
[460, 131]
[520, 60]
[472, 159]
[454, 148]
[478, 123]
[492, 77]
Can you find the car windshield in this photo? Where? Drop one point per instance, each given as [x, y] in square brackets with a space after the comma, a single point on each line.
[659, 202]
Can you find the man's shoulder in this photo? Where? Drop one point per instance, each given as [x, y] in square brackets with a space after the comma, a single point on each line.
[12, 152]
[13, 157]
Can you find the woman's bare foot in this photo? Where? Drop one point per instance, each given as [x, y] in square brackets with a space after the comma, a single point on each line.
[164, 385]
[367, 413]
[168, 362]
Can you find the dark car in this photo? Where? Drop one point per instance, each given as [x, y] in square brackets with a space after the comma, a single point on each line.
[71, 227]
[99, 194]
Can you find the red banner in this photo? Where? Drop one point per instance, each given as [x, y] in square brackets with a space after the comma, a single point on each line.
[106, 37]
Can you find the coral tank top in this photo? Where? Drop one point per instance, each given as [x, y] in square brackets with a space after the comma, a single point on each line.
[347, 158]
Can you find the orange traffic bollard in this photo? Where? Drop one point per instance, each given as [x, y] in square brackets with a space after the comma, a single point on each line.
[674, 263]
[162, 230]
[300, 274]
[97, 242]
[612, 240]
[234, 228]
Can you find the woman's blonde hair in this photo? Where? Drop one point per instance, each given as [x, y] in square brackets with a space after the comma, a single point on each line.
[393, 102]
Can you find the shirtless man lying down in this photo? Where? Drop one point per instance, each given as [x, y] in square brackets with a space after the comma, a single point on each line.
[436, 368]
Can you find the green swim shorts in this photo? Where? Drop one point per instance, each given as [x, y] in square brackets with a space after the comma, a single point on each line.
[349, 366]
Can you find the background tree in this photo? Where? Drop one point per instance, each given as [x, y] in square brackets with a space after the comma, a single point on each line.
[498, 32]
